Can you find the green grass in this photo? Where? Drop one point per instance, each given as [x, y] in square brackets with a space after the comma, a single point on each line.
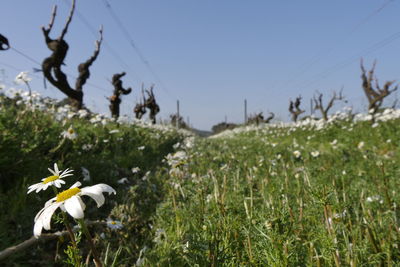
[31, 142]
[242, 199]
[248, 201]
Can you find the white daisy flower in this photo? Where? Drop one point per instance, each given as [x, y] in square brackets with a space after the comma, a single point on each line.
[71, 202]
[55, 179]
[23, 77]
[69, 134]
[113, 224]
[297, 154]
[135, 170]
[86, 174]
[360, 145]
[315, 153]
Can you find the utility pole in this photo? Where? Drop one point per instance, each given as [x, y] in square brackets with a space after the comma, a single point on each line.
[245, 111]
[177, 114]
[311, 105]
[226, 119]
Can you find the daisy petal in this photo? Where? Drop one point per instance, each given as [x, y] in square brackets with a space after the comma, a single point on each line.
[100, 188]
[47, 214]
[77, 184]
[50, 170]
[74, 207]
[33, 187]
[56, 168]
[95, 194]
[39, 214]
[37, 229]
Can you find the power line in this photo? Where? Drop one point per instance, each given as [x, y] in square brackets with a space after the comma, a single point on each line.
[349, 61]
[26, 56]
[69, 75]
[135, 47]
[123, 64]
[322, 54]
[18, 69]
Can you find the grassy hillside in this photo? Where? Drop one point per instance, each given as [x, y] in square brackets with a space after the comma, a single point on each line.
[311, 194]
[34, 136]
[315, 194]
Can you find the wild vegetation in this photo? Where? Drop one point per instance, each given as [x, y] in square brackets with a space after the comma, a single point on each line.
[312, 193]
[36, 133]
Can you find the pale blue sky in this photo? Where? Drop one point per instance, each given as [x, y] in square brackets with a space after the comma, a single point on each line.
[212, 54]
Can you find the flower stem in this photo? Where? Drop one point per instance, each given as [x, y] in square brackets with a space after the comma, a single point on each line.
[30, 93]
[69, 229]
[92, 247]
[67, 225]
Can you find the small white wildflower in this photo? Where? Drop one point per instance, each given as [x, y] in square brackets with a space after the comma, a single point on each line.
[135, 170]
[69, 134]
[86, 174]
[113, 224]
[176, 146]
[141, 148]
[55, 179]
[297, 154]
[123, 180]
[87, 147]
[375, 198]
[360, 145]
[82, 113]
[315, 153]
[23, 78]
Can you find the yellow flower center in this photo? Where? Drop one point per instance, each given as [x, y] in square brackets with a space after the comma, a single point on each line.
[113, 222]
[71, 131]
[50, 179]
[64, 195]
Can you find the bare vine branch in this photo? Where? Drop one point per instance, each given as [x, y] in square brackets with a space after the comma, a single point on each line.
[318, 103]
[140, 108]
[69, 19]
[51, 66]
[115, 99]
[42, 238]
[375, 95]
[83, 68]
[151, 104]
[294, 108]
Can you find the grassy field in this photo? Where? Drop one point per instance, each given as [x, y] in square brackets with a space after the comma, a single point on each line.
[310, 194]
